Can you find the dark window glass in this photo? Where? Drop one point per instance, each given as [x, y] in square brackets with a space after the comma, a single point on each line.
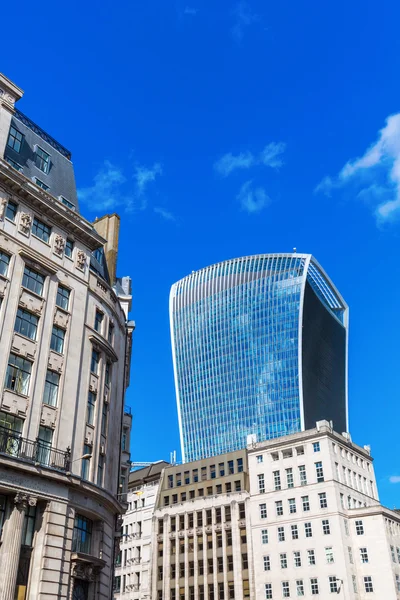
[4, 262]
[29, 526]
[41, 230]
[33, 280]
[41, 184]
[18, 374]
[51, 388]
[104, 419]
[110, 333]
[67, 203]
[42, 160]
[94, 366]
[62, 299]
[26, 324]
[85, 466]
[57, 339]
[82, 534]
[91, 408]
[15, 139]
[14, 164]
[69, 247]
[98, 320]
[11, 210]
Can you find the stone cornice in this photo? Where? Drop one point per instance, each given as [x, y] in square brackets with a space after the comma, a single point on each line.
[100, 342]
[38, 258]
[67, 219]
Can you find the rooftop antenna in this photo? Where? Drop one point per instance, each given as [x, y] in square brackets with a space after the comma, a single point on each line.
[294, 250]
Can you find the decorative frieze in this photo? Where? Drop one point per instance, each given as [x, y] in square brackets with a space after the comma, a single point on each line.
[25, 223]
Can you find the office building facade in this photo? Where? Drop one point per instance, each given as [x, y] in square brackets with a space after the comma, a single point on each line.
[259, 347]
[64, 368]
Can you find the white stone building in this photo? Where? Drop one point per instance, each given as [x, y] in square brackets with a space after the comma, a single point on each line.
[317, 525]
[64, 367]
[132, 567]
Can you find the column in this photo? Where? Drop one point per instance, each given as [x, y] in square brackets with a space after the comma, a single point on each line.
[12, 545]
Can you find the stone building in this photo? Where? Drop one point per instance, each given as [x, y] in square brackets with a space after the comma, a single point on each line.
[64, 368]
[318, 527]
[201, 532]
[132, 567]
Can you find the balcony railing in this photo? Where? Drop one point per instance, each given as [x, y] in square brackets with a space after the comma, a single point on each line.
[36, 452]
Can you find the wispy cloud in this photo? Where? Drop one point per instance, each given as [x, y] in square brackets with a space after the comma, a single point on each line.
[106, 191]
[165, 214]
[190, 11]
[112, 188]
[252, 199]
[394, 479]
[244, 17]
[375, 175]
[270, 156]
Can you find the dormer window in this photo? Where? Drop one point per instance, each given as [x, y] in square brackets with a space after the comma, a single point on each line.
[42, 160]
[41, 184]
[67, 202]
[15, 139]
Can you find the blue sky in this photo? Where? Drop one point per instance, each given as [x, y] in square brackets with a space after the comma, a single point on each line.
[221, 129]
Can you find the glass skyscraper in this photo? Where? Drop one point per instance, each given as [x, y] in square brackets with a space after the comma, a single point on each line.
[259, 347]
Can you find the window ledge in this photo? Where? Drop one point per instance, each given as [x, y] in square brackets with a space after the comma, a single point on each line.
[40, 239]
[19, 394]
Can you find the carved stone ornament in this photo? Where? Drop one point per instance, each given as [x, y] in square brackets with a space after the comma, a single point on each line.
[80, 259]
[25, 223]
[22, 501]
[84, 571]
[59, 244]
[3, 204]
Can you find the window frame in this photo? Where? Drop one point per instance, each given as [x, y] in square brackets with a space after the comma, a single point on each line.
[42, 159]
[41, 230]
[16, 139]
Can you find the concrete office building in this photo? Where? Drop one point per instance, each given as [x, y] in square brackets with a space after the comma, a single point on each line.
[64, 367]
[201, 533]
[317, 525]
[259, 346]
[132, 567]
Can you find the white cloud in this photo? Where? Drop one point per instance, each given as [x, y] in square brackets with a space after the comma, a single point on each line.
[251, 199]
[229, 162]
[145, 175]
[270, 156]
[165, 214]
[244, 17]
[105, 193]
[394, 479]
[380, 163]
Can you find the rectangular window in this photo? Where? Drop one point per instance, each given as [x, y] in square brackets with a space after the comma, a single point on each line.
[297, 558]
[29, 527]
[316, 447]
[398, 554]
[14, 164]
[186, 476]
[69, 248]
[231, 468]
[91, 408]
[238, 486]
[51, 388]
[228, 516]
[263, 511]
[85, 466]
[100, 470]
[292, 505]
[397, 583]
[239, 463]
[323, 502]
[359, 528]
[41, 184]
[18, 374]
[11, 211]
[42, 160]
[229, 538]
[26, 324]
[319, 471]
[295, 532]
[4, 262]
[259, 458]
[107, 374]
[261, 484]
[314, 586]
[57, 339]
[303, 475]
[326, 527]
[245, 562]
[267, 563]
[364, 555]
[285, 589]
[329, 555]
[208, 516]
[94, 365]
[212, 472]
[277, 480]
[264, 536]
[283, 560]
[15, 139]
[218, 515]
[281, 534]
[67, 203]
[289, 478]
[98, 320]
[220, 564]
[45, 437]
[279, 508]
[311, 557]
[350, 552]
[299, 587]
[82, 534]
[393, 553]
[306, 503]
[41, 230]
[333, 587]
[268, 591]
[221, 469]
[32, 280]
[62, 299]
[308, 530]
[104, 419]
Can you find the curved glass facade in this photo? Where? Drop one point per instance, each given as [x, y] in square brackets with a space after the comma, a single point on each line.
[236, 330]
